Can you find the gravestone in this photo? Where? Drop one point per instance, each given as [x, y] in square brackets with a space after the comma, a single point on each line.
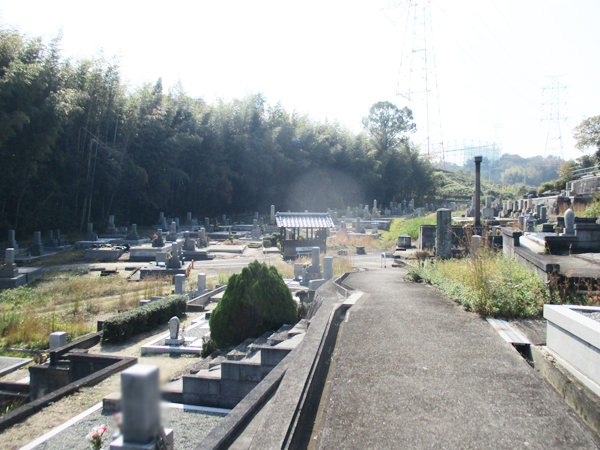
[180, 284]
[335, 216]
[111, 225]
[328, 267]
[173, 229]
[298, 271]
[272, 217]
[538, 210]
[140, 406]
[174, 338]
[58, 339]
[133, 236]
[569, 223]
[189, 243]
[359, 226]
[404, 241]
[543, 214]
[188, 218]
[158, 241]
[173, 262]
[90, 235]
[37, 248]
[475, 244]
[530, 223]
[12, 242]
[202, 237]
[201, 282]
[443, 235]
[9, 268]
[50, 242]
[207, 224]
[178, 228]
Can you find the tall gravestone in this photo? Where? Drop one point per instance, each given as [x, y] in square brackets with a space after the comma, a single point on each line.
[328, 267]
[12, 242]
[272, 217]
[443, 234]
[140, 406]
[180, 284]
[37, 248]
[569, 223]
[158, 241]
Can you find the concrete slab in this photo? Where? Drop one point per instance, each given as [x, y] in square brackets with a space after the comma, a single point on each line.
[9, 364]
[411, 369]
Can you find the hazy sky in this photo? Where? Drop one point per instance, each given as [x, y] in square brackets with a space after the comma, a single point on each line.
[333, 59]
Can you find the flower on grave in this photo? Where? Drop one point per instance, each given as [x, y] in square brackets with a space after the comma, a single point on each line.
[95, 436]
[154, 237]
[117, 416]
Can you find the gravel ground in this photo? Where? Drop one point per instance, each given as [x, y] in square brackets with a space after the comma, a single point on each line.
[189, 427]
[594, 315]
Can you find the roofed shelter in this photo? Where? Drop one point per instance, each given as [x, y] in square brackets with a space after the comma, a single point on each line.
[302, 231]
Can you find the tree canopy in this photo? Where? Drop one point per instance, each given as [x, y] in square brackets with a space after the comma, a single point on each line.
[587, 134]
[77, 145]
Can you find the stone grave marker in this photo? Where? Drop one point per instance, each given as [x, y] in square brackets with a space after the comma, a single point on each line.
[140, 405]
[12, 242]
[569, 223]
[37, 248]
[443, 236]
[9, 268]
[328, 267]
[58, 339]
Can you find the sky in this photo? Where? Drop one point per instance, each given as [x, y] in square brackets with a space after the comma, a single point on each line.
[491, 64]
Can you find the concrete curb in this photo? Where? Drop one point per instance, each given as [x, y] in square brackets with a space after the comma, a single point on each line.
[580, 399]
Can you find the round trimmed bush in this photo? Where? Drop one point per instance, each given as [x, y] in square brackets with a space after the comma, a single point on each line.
[255, 301]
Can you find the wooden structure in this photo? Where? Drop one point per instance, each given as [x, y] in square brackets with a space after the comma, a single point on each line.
[300, 232]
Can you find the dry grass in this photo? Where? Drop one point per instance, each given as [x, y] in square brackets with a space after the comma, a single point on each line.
[342, 241]
[70, 302]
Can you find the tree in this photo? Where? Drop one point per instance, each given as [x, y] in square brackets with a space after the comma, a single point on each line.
[587, 134]
[387, 124]
[255, 301]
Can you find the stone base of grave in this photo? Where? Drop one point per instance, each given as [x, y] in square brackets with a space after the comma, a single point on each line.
[178, 341]
[120, 445]
[87, 244]
[103, 254]
[171, 238]
[147, 253]
[130, 242]
[9, 271]
[154, 271]
[25, 275]
[197, 255]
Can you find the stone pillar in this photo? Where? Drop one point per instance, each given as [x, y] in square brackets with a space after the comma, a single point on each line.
[173, 227]
[58, 339]
[475, 244]
[443, 236]
[201, 281]
[207, 223]
[316, 260]
[272, 214]
[328, 267]
[111, 222]
[177, 223]
[298, 269]
[477, 205]
[543, 213]
[140, 405]
[161, 217]
[180, 284]
[12, 242]
[488, 201]
[9, 258]
[569, 223]
[37, 247]
[189, 217]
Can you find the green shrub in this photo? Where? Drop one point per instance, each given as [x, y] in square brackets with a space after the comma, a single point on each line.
[255, 301]
[121, 327]
[492, 285]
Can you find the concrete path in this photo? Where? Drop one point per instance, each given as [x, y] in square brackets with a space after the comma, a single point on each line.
[411, 370]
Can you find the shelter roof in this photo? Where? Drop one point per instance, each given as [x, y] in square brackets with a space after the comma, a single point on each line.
[304, 220]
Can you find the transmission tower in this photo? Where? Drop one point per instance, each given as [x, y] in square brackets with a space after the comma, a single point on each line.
[417, 85]
[554, 144]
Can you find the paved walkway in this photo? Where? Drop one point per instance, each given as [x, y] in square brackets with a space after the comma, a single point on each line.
[413, 370]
